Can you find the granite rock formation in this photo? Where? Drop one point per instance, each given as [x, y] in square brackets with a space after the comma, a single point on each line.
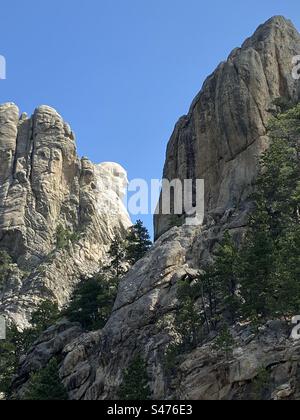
[44, 188]
[225, 130]
[204, 374]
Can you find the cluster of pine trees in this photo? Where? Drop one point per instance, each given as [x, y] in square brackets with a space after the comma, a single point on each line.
[259, 280]
[91, 305]
[93, 299]
[17, 343]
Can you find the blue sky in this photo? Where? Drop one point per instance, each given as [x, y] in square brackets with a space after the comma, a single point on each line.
[122, 72]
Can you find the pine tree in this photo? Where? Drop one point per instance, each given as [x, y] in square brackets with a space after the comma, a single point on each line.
[5, 261]
[93, 299]
[18, 343]
[225, 270]
[46, 314]
[138, 242]
[261, 280]
[269, 258]
[217, 285]
[118, 265]
[261, 385]
[188, 321]
[225, 341]
[9, 357]
[92, 302]
[46, 385]
[256, 275]
[135, 385]
[220, 281]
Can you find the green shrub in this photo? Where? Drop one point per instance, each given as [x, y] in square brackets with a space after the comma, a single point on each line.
[64, 237]
[135, 385]
[46, 385]
[5, 261]
[269, 261]
[225, 342]
[92, 302]
[188, 320]
[18, 343]
[138, 242]
[261, 385]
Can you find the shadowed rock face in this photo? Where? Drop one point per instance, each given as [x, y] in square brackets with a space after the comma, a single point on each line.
[44, 185]
[225, 130]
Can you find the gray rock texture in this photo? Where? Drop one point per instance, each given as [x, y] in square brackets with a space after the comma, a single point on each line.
[44, 186]
[204, 374]
[225, 130]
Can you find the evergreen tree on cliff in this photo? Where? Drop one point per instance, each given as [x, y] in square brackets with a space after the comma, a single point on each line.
[138, 242]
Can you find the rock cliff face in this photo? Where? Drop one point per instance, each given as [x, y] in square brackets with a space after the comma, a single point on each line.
[220, 141]
[45, 188]
[225, 130]
[204, 374]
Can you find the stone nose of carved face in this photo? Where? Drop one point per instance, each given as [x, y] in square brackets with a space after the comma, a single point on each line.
[121, 183]
[55, 162]
[121, 176]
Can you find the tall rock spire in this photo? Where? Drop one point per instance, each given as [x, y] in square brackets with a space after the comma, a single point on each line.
[225, 130]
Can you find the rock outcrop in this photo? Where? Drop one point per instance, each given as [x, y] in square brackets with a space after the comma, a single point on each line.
[262, 366]
[45, 188]
[225, 130]
[220, 140]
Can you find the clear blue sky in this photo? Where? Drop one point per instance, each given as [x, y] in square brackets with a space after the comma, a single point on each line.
[122, 72]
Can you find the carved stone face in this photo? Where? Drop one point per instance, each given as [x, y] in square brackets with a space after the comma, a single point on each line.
[48, 165]
[6, 159]
[9, 118]
[47, 178]
[114, 177]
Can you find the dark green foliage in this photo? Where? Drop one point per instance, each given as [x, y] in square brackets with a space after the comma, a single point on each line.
[218, 284]
[138, 242]
[176, 220]
[224, 271]
[45, 316]
[189, 326]
[170, 358]
[64, 237]
[135, 385]
[46, 385]
[5, 261]
[201, 303]
[225, 341]
[9, 356]
[260, 386]
[18, 343]
[266, 269]
[188, 321]
[269, 259]
[92, 302]
[118, 263]
[93, 299]
[283, 105]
